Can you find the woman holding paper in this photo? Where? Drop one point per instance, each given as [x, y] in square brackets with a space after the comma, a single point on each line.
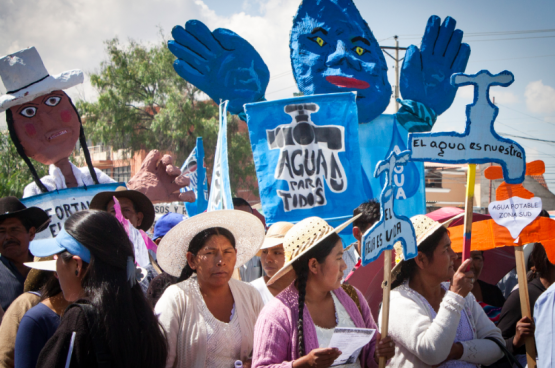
[296, 327]
[434, 324]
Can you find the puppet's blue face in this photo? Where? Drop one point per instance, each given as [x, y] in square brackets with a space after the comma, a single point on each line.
[333, 50]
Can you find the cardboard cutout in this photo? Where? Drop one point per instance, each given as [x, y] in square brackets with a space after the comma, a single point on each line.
[333, 50]
[488, 234]
[306, 155]
[45, 125]
[391, 228]
[479, 143]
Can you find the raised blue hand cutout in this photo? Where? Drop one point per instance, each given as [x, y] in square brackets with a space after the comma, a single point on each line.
[333, 50]
[221, 64]
[480, 143]
[391, 227]
[426, 73]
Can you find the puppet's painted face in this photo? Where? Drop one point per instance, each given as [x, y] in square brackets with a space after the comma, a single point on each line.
[333, 50]
[47, 127]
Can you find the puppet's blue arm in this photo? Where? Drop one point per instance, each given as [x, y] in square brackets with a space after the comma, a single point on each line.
[221, 64]
[426, 73]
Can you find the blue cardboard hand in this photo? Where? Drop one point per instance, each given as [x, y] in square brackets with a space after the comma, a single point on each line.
[426, 73]
[220, 63]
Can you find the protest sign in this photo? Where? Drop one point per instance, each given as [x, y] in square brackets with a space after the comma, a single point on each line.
[479, 143]
[163, 208]
[197, 174]
[515, 213]
[391, 227]
[307, 158]
[220, 191]
[63, 203]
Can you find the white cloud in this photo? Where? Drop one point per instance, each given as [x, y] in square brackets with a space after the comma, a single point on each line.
[540, 99]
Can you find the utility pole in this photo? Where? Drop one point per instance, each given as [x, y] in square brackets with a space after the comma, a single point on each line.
[396, 58]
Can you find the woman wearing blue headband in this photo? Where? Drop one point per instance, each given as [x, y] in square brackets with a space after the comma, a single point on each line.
[111, 322]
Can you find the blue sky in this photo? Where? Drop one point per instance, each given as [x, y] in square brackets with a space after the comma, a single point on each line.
[70, 35]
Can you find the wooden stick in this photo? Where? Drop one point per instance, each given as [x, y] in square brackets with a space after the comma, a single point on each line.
[468, 210]
[525, 304]
[385, 304]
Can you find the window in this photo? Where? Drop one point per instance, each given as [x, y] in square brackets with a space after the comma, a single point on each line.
[433, 178]
[122, 173]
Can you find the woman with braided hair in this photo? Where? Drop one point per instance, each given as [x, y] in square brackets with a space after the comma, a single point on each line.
[295, 328]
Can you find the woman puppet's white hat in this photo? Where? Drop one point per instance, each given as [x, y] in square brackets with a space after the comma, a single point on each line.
[247, 230]
[25, 78]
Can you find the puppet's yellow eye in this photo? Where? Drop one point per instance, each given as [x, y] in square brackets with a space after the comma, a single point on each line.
[359, 50]
[320, 41]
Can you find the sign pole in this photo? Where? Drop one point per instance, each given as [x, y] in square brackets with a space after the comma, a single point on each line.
[468, 210]
[385, 305]
[525, 304]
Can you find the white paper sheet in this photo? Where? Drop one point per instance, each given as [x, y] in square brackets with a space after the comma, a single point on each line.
[350, 341]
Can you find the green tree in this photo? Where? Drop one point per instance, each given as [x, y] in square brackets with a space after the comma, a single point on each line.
[14, 173]
[144, 104]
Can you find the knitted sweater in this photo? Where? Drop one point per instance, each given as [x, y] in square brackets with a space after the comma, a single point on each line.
[275, 333]
[421, 341]
[180, 315]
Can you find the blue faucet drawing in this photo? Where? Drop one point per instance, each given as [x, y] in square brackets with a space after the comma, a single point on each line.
[479, 143]
[391, 228]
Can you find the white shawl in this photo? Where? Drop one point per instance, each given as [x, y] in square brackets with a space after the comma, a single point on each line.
[180, 315]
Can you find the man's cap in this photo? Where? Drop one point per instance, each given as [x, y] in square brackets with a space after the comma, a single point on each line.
[166, 223]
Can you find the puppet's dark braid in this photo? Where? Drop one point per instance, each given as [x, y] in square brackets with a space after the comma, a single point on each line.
[83, 142]
[21, 151]
[301, 285]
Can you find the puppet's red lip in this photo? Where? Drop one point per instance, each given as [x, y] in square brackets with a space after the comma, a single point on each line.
[346, 82]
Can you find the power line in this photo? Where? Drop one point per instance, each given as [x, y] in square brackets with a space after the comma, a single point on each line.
[532, 139]
[523, 113]
[497, 33]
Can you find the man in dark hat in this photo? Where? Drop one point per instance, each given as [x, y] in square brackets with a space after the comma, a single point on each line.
[18, 226]
[135, 206]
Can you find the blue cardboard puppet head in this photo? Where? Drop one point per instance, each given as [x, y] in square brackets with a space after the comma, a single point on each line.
[334, 50]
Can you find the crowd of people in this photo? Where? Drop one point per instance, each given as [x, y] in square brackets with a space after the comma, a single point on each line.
[223, 290]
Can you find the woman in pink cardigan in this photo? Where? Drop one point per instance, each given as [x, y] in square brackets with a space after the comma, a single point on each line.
[282, 339]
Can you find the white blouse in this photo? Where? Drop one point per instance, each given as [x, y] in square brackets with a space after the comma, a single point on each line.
[223, 343]
[343, 320]
[260, 285]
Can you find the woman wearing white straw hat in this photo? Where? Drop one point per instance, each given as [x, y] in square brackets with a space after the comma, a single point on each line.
[209, 317]
[294, 329]
[435, 324]
[272, 257]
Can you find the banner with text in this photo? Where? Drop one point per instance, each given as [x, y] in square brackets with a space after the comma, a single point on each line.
[307, 157]
[63, 203]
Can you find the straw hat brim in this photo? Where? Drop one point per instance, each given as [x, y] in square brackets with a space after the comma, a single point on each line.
[51, 83]
[288, 266]
[247, 230]
[270, 242]
[395, 270]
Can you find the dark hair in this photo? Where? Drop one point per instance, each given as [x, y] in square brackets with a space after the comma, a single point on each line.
[370, 214]
[124, 316]
[157, 286]
[538, 263]
[21, 150]
[300, 266]
[198, 242]
[428, 247]
[51, 288]
[238, 202]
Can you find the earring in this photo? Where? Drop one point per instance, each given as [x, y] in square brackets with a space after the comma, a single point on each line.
[76, 272]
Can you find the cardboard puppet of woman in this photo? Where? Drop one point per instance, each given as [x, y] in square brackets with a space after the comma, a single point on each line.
[44, 125]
